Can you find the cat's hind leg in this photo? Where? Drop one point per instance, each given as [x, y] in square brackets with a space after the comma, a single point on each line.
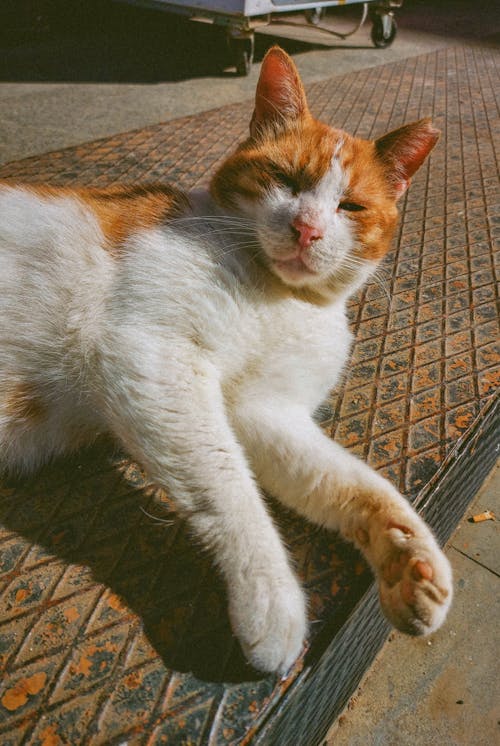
[38, 424]
[298, 464]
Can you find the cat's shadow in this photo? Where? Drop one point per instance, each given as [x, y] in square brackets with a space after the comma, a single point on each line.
[95, 511]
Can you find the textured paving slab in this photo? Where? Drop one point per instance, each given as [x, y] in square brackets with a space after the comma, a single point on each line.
[112, 627]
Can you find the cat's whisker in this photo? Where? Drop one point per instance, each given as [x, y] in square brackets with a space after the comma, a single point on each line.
[229, 231]
[380, 278]
[207, 219]
[207, 232]
[233, 247]
[241, 246]
[227, 218]
[158, 521]
[208, 238]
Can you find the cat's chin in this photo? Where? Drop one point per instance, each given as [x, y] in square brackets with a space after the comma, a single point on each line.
[294, 272]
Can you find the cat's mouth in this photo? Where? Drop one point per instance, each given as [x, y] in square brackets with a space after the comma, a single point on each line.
[292, 269]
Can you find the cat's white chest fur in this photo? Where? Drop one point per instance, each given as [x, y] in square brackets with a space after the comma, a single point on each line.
[263, 344]
[301, 351]
[263, 341]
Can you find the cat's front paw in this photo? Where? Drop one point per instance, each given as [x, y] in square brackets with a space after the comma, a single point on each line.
[415, 579]
[268, 615]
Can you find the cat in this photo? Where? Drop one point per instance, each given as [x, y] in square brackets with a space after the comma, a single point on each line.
[202, 331]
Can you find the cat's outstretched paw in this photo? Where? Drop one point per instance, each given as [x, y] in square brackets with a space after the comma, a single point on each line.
[268, 616]
[415, 579]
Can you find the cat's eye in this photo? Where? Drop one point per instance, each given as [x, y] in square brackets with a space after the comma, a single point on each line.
[283, 178]
[351, 206]
[287, 181]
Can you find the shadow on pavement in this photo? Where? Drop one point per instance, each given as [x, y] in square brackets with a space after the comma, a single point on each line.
[105, 42]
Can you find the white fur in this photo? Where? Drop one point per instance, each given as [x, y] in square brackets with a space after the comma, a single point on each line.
[275, 213]
[208, 369]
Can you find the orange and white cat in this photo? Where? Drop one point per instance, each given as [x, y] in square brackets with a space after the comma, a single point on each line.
[203, 330]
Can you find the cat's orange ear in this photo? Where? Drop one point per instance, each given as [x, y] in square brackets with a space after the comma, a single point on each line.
[404, 150]
[280, 95]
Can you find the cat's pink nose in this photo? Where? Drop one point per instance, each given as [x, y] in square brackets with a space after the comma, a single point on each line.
[305, 233]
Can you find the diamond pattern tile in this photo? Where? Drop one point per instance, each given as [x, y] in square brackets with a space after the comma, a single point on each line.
[113, 628]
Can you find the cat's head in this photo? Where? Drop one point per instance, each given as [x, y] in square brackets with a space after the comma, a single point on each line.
[323, 203]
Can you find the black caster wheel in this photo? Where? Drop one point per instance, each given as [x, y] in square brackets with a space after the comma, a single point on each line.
[383, 31]
[242, 51]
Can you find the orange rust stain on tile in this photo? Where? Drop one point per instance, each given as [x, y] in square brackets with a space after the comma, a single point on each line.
[84, 665]
[424, 377]
[50, 737]
[86, 662]
[23, 402]
[335, 587]
[52, 630]
[426, 405]
[464, 420]
[16, 697]
[133, 680]
[21, 595]
[351, 439]
[71, 614]
[115, 602]
[457, 366]
[490, 381]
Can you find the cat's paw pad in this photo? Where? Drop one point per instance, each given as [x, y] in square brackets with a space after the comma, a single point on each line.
[415, 581]
[270, 622]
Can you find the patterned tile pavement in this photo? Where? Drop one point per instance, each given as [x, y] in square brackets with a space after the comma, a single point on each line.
[112, 626]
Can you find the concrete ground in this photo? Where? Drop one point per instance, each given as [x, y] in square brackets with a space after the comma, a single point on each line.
[86, 75]
[81, 79]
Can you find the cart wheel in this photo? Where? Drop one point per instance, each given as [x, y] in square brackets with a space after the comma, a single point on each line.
[314, 16]
[242, 51]
[383, 31]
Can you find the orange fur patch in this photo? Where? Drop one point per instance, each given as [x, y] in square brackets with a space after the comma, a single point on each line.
[121, 210]
[301, 154]
[368, 186]
[23, 402]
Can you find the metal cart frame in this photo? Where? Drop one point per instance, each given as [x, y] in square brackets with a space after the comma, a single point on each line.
[242, 17]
